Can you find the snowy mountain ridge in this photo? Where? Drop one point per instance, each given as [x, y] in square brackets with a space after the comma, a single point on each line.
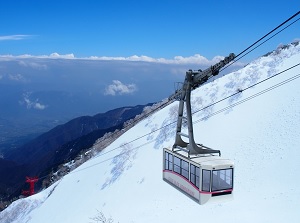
[261, 135]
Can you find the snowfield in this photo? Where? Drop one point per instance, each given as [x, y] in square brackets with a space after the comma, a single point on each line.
[261, 135]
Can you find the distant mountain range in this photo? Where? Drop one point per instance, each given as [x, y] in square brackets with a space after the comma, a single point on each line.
[58, 145]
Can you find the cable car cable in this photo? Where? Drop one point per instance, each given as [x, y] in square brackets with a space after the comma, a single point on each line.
[246, 53]
[293, 16]
[258, 45]
[251, 86]
[250, 97]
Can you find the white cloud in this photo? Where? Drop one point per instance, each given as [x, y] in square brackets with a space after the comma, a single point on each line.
[118, 88]
[39, 106]
[196, 59]
[32, 104]
[65, 56]
[14, 37]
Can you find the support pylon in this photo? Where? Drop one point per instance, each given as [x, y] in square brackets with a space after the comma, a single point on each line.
[31, 181]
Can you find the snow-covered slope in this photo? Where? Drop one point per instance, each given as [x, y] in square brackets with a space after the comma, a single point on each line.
[261, 135]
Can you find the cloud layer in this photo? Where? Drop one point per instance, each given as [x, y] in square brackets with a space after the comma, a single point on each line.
[180, 60]
[118, 88]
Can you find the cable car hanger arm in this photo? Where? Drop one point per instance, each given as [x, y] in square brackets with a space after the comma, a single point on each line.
[194, 79]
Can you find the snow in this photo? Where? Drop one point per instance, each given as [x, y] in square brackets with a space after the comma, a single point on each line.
[124, 182]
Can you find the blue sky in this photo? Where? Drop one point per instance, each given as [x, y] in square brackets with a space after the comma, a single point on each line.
[157, 29]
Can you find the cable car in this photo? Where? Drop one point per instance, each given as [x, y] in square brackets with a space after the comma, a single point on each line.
[203, 178]
[194, 168]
